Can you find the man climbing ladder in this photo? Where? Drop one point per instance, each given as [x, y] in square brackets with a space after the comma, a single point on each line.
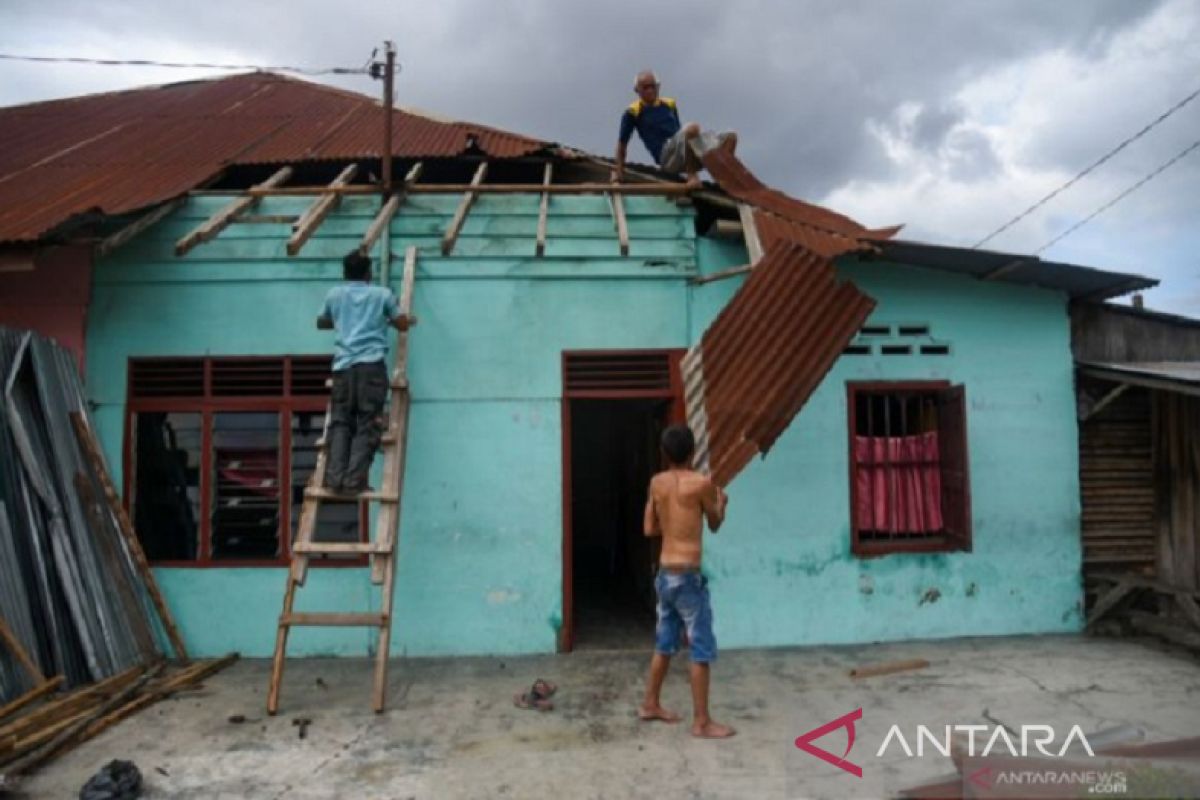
[360, 314]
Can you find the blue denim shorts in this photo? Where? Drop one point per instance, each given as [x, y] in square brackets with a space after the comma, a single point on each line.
[683, 604]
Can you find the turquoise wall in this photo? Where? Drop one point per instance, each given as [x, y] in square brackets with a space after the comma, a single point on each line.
[480, 545]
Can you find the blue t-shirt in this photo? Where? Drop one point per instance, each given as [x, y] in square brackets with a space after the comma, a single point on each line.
[360, 313]
[654, 124]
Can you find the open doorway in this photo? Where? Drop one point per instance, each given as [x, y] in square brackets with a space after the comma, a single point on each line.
[615, 408]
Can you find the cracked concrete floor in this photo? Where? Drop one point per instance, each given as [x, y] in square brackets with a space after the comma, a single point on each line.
[451, 729]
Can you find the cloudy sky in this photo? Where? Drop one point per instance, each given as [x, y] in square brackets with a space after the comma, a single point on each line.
[951, 116]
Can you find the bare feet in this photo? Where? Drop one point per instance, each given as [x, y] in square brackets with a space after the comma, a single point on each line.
[657, 712]
[712, 730]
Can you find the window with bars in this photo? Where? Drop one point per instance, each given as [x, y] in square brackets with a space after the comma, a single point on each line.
[218, 453]
[909, 481]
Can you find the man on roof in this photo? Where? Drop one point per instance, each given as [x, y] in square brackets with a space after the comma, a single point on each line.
[675, 147]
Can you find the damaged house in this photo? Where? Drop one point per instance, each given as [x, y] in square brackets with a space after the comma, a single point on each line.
[915, 403]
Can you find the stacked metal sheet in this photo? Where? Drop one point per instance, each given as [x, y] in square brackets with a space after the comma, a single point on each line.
[68, 586]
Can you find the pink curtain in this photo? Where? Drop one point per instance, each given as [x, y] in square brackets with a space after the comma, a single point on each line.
[898, 483]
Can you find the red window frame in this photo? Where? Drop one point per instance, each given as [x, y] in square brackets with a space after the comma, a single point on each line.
[953, 463]
[207, 404]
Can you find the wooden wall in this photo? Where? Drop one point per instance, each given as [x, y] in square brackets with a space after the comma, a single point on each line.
[1107, 333]
[1177, 478]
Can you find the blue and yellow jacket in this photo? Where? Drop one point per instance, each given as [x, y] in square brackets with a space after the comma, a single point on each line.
[654, 123]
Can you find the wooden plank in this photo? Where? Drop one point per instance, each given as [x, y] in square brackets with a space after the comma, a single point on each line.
[336, 548]
[663, 189]
[70, 703]
[1108, 601]
[464, 207]
[137, 226]
[544, 210]
[722, 274]
[34, 694]
[1105, 401]
[91, 450]
[311, 219]
[754, 246]
[888, 667]
[380, 223]
[728, 229]
[321, 493]
[332, 619]
[14, 646]
[216, 223]
[1172, 631]
[618, 210]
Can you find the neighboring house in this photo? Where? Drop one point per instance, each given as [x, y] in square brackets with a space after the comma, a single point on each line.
[1139, 462]
[929, 488]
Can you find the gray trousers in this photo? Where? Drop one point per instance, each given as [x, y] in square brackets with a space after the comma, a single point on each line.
[356, 423]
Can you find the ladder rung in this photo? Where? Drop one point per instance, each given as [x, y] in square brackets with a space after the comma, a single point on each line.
[387, 438]
[333, 618]
[340, 497]
[400, 384]
[332, 548]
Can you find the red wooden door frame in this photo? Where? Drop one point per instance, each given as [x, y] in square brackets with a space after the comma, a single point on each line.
[675, 414]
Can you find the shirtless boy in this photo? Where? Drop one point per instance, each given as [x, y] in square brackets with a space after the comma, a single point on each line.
[678, 498]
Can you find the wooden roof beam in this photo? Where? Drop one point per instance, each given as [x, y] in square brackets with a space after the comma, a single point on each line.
[311, 219]
[460, 216]
[211, 227]
[750, 232]
[544, 210]
[380, 223]
[652, 189]
[137, 226]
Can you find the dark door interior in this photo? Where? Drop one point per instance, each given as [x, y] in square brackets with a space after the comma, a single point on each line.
[614, 452]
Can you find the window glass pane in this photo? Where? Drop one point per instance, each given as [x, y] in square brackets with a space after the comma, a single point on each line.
[166, 483]
[337, 522]
[245, 485]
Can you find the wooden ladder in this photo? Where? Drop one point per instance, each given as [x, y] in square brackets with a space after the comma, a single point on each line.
[381, 551]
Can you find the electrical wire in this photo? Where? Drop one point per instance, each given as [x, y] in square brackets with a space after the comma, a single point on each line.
[1087, 170]
[1118, 198]
[142, 62]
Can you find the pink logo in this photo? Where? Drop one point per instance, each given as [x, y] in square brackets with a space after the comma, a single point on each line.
[981, 778]
[805, 742]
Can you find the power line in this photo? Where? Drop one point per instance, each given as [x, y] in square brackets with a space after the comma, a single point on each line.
[1118, 198]
[1097, 163]
[142, 62]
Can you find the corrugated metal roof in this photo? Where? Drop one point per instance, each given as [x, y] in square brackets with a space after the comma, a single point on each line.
[122, 151]
[1178, 376]
[767, 351]
[765, 354]
[1076, 281]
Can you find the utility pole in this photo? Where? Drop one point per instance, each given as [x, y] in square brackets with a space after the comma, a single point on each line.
[389, 72]
[390, 50]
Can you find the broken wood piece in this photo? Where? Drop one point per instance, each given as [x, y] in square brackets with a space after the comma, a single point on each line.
[380, 223]
[10, 641]
[69, 703]
[217, 222]
[750, 232]
[728, 229]
[1160, 626]
[722, 274]
[888, 667]
[460, 216]
[544, 211]
[618, 209]
[34, 694]
[137, 226]
[311, 219]
[90, 447]
[1108, 601]
[50, 748]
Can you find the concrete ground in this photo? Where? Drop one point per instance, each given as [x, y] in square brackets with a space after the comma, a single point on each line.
[451, 730]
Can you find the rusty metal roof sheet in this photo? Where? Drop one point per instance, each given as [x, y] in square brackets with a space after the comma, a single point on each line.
[765, 354]
[118, 152]
[767, 351]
